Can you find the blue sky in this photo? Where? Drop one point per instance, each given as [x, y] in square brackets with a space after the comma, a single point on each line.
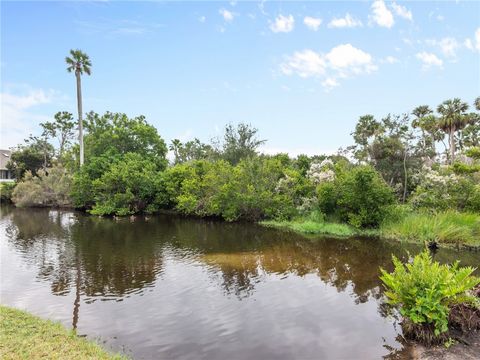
[301, 72]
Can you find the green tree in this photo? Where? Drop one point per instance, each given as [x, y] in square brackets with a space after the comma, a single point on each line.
[453, 118]
[62, 128]
[240, 142]
[35, 154]
[175, 147]
[366, 129]
[427, 123]
[115, 134]
[80, 63]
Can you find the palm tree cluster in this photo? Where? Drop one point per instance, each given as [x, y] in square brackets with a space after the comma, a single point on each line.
[453, 117]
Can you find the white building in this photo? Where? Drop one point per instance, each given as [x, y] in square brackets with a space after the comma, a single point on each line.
[5, 174]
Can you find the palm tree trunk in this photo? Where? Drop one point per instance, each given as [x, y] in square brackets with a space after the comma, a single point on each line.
[452, 146]
[80, 122]
[406, 175]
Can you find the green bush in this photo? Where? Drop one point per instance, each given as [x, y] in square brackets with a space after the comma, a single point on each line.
[49, 188]
[444, 190]
[6, 191]
[424, 290]
[358, 196]
[129, 186]
[255, 188]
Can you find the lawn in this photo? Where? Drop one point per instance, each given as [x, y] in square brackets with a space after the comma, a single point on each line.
[24, 336]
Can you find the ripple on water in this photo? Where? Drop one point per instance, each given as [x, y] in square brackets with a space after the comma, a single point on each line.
[192, 289]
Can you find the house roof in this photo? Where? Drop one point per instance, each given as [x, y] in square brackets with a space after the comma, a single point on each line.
[4, 158]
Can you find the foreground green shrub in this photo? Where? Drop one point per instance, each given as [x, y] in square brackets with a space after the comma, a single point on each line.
[424, 291]
[49, 188]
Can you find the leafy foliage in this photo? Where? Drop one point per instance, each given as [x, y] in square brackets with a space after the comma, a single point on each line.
[127, 187]
[358, 196]
[48, 188]
[424, 290]
[6, 191]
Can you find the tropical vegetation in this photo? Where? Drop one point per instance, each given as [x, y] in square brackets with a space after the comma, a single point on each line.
[425, 292]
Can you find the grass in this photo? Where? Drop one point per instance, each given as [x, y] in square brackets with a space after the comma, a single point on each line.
[445, 228]
[24, 336]
[314, 225]
[449, 228]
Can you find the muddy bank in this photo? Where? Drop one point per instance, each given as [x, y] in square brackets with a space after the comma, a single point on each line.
[458, 351]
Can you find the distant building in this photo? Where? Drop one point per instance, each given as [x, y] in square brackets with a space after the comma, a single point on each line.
[5, 174]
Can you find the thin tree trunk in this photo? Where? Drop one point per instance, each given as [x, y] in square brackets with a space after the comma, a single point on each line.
[406, 175]
[452, 145]
[80, 122]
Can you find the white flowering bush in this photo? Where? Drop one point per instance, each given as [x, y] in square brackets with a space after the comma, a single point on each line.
[307, 205]
[321, 172]
[442, 189]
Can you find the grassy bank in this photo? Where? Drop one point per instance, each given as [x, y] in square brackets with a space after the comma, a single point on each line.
[448, 228]
[315, 224]
[24, 336]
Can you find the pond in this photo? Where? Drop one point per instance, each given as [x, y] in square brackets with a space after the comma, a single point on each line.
[173, 288]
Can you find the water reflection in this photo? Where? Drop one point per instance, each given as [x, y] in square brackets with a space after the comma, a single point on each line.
[180, 260]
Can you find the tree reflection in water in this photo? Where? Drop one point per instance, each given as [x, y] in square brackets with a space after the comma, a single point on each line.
[106, 259]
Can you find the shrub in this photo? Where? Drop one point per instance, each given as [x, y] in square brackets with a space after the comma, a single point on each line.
[49, 188]
[6, 191]
[443, 190]
[129, 186]
[255, 188]
[424, 291]
[359, 196]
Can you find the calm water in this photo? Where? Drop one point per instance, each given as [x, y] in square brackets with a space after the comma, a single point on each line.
[171, 288]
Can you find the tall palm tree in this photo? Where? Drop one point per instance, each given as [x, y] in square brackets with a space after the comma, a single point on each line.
[453, 118]
[175, 147]
[79, 62]
[420, 113]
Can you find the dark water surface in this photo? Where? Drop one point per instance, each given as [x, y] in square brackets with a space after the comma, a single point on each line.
[172, 288]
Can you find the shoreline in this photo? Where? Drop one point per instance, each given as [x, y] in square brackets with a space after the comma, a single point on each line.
[295, 227]
[26, 336]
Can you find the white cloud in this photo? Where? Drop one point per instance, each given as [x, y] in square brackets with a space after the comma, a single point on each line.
[306, 63]
[475, 43]
[429, 60]
[202, 19]
[390, 60]
[348, 21]
[340, 62]
[381, 15]
[402, 11]
[114, 27]
[227, 15]
[312, 23]
[17, 118]
[330, 83]
[448, 46]
[283, 24]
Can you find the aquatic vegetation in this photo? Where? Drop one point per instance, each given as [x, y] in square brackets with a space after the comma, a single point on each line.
[425, 291]
[447, 228]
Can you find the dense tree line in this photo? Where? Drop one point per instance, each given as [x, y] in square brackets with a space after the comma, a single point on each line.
[399, 158]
